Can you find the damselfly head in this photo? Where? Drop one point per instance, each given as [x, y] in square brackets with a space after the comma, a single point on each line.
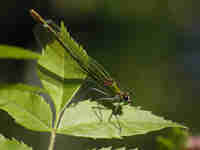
[126, 97]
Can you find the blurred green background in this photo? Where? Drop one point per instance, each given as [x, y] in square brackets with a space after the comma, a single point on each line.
[150, 46]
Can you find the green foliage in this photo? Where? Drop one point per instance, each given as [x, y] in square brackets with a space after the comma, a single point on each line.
[87, 121]
[57, 60]
[6, 144]
[26, 106]
[16, 53]
[174, 140]
[61, 78]
[82, 120]
[60, 90]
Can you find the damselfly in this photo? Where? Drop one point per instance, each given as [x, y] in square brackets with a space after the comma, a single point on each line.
[93, 69]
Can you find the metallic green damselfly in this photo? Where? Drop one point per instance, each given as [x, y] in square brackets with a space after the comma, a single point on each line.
[93, 69]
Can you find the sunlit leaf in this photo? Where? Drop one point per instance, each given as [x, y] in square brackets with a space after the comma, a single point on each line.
[87, 121]
[60, 90]
[17, 53]
[26, 106]
[56, 58]
[62, 76]
[7, 144]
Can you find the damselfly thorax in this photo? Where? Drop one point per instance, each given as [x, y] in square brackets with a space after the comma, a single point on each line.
[124, 96]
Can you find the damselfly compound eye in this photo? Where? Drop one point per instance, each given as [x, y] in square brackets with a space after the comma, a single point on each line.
[126, 97]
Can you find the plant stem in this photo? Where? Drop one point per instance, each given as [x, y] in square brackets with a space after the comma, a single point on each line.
[52, 139]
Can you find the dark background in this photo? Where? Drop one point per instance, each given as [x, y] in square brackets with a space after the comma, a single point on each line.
[149, 45]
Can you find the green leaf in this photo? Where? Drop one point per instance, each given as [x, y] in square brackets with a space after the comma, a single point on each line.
[167, 143]
[82, 120]
[176, 138]
[6, 144]
[60, 90]
[16, 53]
[61, 76]
[26, 106]
[56, 58]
